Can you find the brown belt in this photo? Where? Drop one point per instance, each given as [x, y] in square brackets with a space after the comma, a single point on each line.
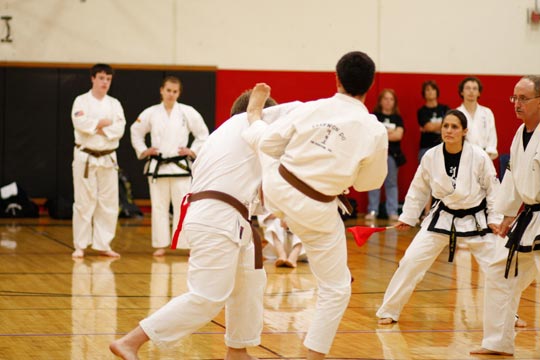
[94, 153]
[235, 203]
[309, 191]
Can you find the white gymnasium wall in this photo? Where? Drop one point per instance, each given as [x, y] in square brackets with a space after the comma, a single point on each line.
[423, 36]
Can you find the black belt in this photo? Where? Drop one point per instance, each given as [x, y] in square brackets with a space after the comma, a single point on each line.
[516, 233]
[161, 160]
[460, 213]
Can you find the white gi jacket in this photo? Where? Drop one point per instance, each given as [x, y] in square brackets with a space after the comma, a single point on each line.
[521, 184]
[312, 142]
[85, 115]
[482, 131]
[168, 133]
[476, 181]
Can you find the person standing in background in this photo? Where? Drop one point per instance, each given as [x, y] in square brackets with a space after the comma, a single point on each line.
[482, 131]
[387, 112]
[99, 122]
[169, 159]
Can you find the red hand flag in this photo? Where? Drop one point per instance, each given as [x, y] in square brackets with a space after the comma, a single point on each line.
[362, 233]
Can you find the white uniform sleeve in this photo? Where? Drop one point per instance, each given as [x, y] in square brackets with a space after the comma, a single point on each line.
[138, 131]
[79, 116]
[115, 131]
[508, 202]
[197, 127]
[373, 169]
[277, 137]
[417, 195]
[491, 140]
[490, 183]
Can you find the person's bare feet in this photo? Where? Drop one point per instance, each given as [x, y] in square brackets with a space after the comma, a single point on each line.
[290, 264]
[78, 254]
[120, 349]
[520, 323]
[314, 355]
[238, 354]
[259, 94]
[127, 346]
[386, 321]
[159, 252]
[109, 253]
[483, 351]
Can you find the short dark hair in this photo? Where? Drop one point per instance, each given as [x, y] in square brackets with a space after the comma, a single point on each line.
[461, 116]
[106, 68]
[356, 71]
[171, 79]
[536, 81]
[432, 84]
[241, 103]
[470, 78]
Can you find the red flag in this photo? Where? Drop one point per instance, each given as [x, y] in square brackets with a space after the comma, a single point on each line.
[362, 233]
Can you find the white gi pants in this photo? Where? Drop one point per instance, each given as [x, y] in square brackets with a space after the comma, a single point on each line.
[162, 192]
[95, 210]
[420, 255]
[501, 296]
[322, 232]
[220, 273]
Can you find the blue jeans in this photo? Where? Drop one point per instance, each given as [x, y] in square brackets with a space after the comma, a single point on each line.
[391, 189]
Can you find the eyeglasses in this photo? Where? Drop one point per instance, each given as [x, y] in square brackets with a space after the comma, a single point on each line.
[522, 100]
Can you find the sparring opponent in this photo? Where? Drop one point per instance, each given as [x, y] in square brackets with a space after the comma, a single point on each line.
[482, 131]
[99, 122]
[520, 190]
[317, 152]
[169, 159]
[223, 267]
[462, 179]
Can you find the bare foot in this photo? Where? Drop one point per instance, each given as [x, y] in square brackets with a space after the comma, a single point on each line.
[78, 254]
[483, 351]
[290, 264]
[159, 252]
[520, 323]
[314, 355]
[122, 350]
[259, 95]
[238, 354]
[127, 346]
[109, 253]
[280, 262]
[386, 321]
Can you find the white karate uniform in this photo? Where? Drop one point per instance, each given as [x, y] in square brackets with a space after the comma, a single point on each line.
[476, 180]
[221, 264]
[330, 144]
[482, 131]
[168, 133]
[95, 210]
[520, 185]
[272, 227]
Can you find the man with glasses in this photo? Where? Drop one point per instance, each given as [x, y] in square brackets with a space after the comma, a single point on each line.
[521, 229]
[480, 119]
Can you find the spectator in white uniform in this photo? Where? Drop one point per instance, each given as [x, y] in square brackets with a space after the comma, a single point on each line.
[318, 151]
[169, 158]
[482, 131]
[224, 269]
[99, 122]
[519, 197]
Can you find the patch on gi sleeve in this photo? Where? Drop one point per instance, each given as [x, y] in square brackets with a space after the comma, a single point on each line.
[78, 113]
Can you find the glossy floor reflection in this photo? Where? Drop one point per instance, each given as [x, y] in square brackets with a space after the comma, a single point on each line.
[52, 307]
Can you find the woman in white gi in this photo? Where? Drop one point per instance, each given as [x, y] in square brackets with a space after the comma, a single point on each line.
[481, 122]
[283, 245]
[463, 181]
[169, 158]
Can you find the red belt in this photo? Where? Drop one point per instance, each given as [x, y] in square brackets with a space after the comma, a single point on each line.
[228, 199]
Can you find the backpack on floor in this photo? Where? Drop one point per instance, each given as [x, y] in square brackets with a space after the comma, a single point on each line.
[15, 203]
[128, 209]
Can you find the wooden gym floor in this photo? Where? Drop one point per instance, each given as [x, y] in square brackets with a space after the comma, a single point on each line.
[52, 307]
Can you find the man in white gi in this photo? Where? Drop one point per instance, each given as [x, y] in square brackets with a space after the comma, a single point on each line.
[323, 147]
[99, 122]
[520, 186]
[481, 122]
[169, 159]
[223, 269]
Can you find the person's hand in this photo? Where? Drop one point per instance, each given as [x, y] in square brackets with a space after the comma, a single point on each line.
[184, 151]
[401, 226]
[103, 123]
[151, 151]
[494, 227]
[505, 225]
